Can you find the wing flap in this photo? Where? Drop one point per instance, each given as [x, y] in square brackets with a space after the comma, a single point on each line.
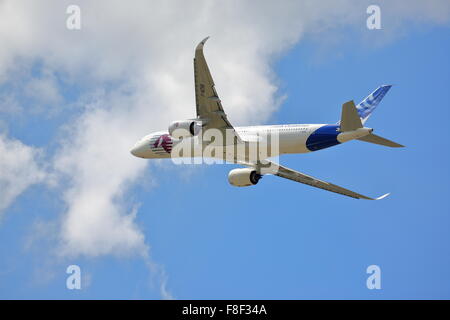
[208, 104]
[293, 175]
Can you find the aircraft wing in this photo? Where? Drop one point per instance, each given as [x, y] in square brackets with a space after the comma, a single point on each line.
[208, 104]
[279, 170]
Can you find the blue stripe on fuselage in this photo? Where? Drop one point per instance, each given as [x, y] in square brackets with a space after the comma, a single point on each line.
[324, 137]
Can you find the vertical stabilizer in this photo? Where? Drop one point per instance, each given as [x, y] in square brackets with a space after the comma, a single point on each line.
[350, 120]
[368, 105]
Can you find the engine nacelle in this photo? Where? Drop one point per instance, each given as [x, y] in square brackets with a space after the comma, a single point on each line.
[184, 128]
[243, 177]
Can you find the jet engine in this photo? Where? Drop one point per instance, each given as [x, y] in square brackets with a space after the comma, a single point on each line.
[184, 128]
[243, 177]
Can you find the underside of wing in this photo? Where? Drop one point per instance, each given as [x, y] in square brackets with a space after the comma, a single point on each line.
[293, 175]
[208, 104]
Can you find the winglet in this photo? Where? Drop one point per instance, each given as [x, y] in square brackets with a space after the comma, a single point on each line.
[201, 44]
[383, 196]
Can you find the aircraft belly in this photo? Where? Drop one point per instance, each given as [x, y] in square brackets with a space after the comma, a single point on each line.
[293, 143]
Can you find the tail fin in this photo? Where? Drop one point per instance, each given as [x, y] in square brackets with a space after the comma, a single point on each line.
[349, 117]
[373, 138]
[368, 105]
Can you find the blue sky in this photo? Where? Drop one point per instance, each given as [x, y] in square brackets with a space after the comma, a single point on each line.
[276, 240]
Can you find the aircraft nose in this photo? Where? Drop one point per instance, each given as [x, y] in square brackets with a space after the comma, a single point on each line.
[133, 151]
[138, 150]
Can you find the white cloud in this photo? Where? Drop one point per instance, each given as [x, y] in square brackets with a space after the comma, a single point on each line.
[9, 104]
[134, 63]
[97, 162]
[43, 91]
[30, 91]
[18, 170]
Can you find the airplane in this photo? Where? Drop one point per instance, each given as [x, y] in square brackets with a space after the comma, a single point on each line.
[292, 138]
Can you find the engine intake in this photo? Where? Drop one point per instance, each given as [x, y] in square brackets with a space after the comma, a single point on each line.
[184, 128]
[243, 177]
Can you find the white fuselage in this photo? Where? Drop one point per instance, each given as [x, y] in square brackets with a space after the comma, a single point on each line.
[291, 138]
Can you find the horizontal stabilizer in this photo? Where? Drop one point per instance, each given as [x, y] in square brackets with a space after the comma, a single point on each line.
[373, 138]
